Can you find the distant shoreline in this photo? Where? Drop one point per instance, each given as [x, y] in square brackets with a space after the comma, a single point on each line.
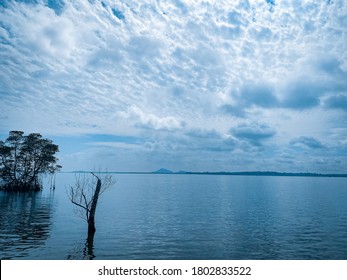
[243, 173]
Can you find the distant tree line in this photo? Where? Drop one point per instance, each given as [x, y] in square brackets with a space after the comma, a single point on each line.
[23, 158]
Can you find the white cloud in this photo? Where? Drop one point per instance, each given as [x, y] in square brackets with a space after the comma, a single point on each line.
[151, 121]
[166, 70]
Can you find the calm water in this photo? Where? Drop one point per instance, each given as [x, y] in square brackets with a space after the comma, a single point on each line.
[183, 217]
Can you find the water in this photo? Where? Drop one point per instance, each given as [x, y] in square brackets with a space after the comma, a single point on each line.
[183, 217]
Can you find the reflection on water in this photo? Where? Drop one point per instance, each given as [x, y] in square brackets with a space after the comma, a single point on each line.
[82, 252]
[25, 222]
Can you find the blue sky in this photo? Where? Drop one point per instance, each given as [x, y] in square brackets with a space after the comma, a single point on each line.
[185, 85]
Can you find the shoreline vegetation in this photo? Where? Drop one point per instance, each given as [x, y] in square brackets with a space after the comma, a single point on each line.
[163, 171]
[24, 159]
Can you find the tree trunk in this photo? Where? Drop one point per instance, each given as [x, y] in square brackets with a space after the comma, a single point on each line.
[91, 219]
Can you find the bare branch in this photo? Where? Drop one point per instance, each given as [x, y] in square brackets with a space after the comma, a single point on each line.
[79, 205]
[83, 193]
[87, 203]
[95, 175]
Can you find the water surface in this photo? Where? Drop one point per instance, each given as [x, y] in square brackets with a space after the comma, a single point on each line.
[183, 217]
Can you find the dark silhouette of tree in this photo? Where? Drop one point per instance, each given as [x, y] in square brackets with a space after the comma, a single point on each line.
[85, 194]
[23, 158]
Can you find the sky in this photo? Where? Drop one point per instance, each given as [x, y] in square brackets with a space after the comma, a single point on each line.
[183, 85]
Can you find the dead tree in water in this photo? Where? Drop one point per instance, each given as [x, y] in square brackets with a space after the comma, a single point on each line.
[85, 196]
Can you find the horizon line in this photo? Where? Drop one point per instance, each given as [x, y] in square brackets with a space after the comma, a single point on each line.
[230, 173]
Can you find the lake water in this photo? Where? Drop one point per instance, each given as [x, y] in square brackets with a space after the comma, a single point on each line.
[183, 217]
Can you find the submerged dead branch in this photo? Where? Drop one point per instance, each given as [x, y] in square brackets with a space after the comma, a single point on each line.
[85, 194]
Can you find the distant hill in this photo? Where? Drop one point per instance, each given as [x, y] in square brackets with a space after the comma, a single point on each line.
[250, 173]
[269, 173]
[163, 171]
[243, 173]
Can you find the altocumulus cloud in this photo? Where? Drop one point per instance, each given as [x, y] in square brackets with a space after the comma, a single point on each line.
[309, 142]
[337, 102]
[204, 85]
[254, 132]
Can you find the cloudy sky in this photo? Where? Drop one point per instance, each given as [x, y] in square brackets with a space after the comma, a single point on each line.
[181, 84]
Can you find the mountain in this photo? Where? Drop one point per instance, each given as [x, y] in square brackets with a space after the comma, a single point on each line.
[163, 171]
